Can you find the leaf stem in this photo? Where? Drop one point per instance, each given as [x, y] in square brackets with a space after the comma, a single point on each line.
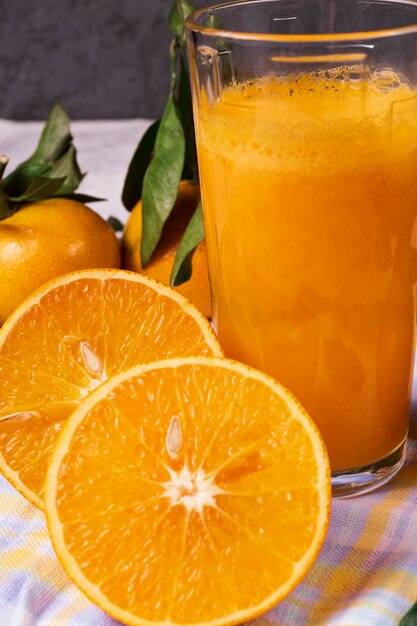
[3, 164]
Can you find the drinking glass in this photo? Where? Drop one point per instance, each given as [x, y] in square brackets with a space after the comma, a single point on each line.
[306, 126]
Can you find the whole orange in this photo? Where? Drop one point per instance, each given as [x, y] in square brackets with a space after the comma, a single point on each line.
[46, 239]
[197, 289]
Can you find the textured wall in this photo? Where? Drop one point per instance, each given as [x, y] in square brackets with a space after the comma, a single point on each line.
[101, 58]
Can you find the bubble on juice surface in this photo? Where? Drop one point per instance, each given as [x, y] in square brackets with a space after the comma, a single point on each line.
[309, 119]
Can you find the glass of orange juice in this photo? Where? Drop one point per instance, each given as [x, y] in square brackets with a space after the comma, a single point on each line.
[306, 125]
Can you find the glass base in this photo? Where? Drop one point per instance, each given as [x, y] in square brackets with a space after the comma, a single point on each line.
[355, 482]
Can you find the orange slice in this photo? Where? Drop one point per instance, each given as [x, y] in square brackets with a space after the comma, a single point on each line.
[69, 337]
[189, 491]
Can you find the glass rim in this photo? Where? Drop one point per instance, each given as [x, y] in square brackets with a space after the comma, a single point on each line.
[192, 25]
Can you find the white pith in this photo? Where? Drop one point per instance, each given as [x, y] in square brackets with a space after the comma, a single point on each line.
[194, 490]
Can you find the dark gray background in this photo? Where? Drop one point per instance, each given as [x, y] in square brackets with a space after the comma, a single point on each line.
[101, 58]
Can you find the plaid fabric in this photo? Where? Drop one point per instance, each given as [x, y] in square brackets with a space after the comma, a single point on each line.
[366, 574]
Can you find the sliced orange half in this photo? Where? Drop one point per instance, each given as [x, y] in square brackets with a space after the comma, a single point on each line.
[69, 337]
[189, 491]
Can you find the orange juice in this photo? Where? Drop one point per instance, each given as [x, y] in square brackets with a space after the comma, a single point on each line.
[309, 189]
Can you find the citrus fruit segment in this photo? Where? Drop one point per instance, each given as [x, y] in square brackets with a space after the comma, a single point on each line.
[189, 491]
[69, 337]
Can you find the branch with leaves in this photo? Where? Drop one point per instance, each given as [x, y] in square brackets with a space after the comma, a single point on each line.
[51, 172]
[166, 155]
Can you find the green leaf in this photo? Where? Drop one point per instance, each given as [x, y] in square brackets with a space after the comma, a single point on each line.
[132, 188]
[16, 183]
[194, 234]
[410, 618]
[115, 224]
[174, 139]
[5, 208]
[83, 198]
[162, 178]
[51, 171]
[185, 105]
[66, 167]
[40, 188]
[179, 11]
[55, 138]
[37, 181]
